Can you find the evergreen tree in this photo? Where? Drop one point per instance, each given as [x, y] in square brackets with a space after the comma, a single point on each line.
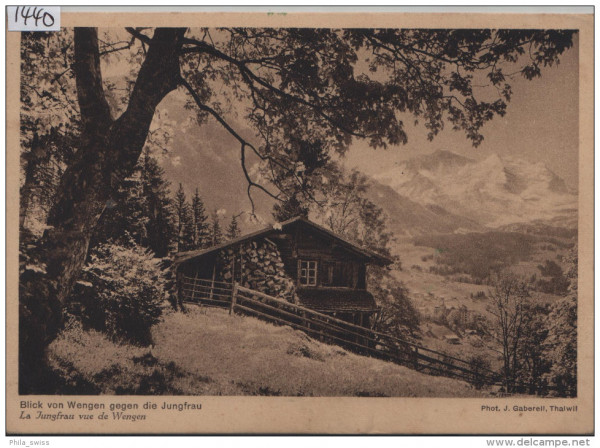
[184, 228]
[216, 234]
[233, 231]
[160, 227]
[201, 237]
[140, 211]
[123, 220]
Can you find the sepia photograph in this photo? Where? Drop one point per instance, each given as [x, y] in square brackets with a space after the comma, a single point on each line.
[307, 212]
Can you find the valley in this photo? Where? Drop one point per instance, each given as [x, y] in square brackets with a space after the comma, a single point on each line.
[448, 278]
[458, 222]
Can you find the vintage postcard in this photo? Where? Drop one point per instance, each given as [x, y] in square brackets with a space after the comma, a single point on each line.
[300, 223]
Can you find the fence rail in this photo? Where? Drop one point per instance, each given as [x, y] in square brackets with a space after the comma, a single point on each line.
[207, 292]
[330, 329]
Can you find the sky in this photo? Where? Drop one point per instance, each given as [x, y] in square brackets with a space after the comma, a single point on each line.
[540, 125]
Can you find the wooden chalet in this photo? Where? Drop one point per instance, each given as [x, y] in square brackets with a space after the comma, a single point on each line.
[328, 273]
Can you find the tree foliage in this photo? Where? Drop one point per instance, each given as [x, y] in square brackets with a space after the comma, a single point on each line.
[50, 121]
[347, 210]
[233, 230]
[556, 282]
[128, 286]
[398, 316]
[140, 210]
[479, 366]
[185, 229]
[215, 230]
[329, 86]
[289, 208]
[200, 225]
[533, 362]
[560, 346]
[304, 179]
[539, 340]
[508, 302]
[158, 206]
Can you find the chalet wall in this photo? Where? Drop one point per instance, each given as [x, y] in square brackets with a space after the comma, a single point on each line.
[257, 265]
[336, 265]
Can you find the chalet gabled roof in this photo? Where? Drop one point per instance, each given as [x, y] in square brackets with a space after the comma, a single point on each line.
[278, 228]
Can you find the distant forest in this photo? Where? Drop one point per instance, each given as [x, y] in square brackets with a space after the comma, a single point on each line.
[481, 254]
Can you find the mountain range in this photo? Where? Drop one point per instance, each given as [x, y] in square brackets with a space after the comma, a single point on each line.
[444, 192]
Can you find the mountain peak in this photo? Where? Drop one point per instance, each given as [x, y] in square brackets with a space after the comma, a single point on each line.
[432, 161]
[493, 191]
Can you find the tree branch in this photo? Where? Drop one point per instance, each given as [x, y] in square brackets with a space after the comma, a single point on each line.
[158, 76]
[138, 35]
[242, 141]
[251, 78]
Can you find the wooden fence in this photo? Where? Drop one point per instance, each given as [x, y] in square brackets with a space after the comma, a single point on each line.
[332, 330]
[208, 292]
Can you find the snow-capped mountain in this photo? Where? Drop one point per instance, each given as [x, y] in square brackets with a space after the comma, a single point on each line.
[494, 192]
[409, 218]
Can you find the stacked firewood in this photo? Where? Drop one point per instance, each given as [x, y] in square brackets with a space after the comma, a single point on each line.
[261, 268]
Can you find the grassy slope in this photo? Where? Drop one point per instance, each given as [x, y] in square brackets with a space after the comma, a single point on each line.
[208, 352]
[427, 290]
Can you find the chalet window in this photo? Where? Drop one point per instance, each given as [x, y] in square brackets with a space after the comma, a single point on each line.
[308, 273]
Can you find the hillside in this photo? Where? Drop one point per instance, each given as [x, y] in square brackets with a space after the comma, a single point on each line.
[208, 352]
[409, 218]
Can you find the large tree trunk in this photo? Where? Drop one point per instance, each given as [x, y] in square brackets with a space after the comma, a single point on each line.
[32, 162]
[107, 154]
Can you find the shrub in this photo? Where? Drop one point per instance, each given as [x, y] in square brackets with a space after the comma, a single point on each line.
[398, 315]
[479, 367]
[479, 295]
[125, 291]
[557, 284]
[560, 347]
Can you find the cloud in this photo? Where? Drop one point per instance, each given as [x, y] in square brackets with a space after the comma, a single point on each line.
[176, 161]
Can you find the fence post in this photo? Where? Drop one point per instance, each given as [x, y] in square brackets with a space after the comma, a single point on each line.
[212, 284]
[233, 297]
[416, 358]
[194, 287]
[179, 279]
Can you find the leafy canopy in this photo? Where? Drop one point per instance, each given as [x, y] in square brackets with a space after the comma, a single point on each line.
[299, 88]
[329, 86]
